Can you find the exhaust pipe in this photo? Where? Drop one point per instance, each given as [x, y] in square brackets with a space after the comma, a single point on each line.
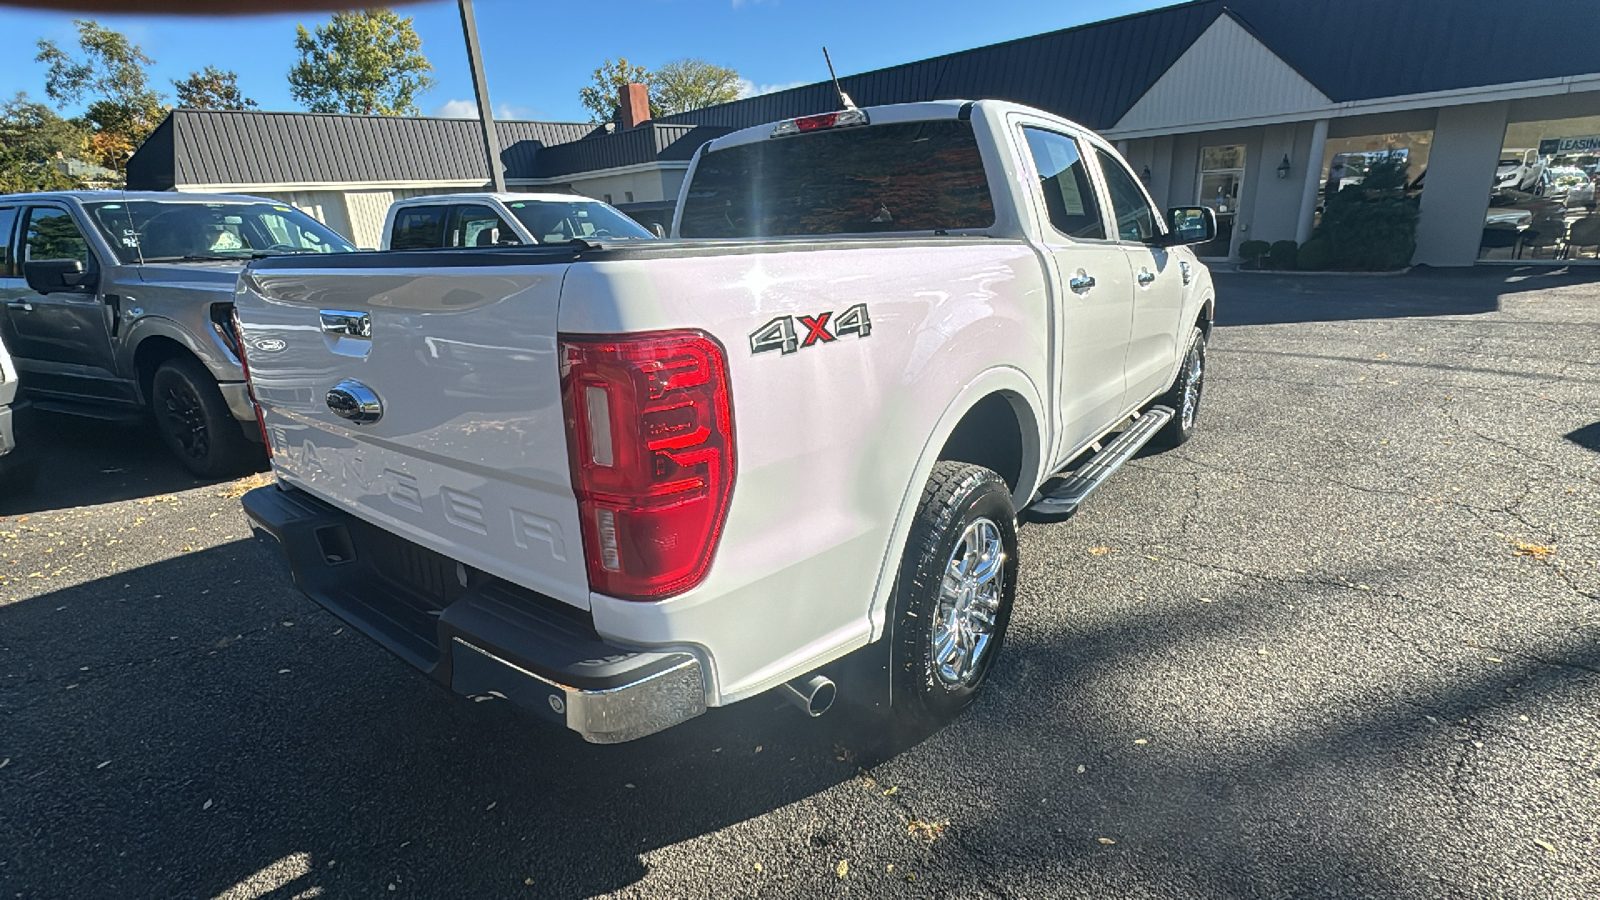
[814, 694]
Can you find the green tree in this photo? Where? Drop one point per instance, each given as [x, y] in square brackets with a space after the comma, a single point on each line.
[685, 84]
[110, 73]
[212, 88]
[35, 144]
[602, 98]
[366, 61]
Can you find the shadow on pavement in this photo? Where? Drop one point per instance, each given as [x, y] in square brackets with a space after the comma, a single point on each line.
[84, 461]
[1273, 299]
[241, 727]
[1587, 437]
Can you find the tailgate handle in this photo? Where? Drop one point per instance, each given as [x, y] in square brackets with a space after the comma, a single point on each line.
[344, 323]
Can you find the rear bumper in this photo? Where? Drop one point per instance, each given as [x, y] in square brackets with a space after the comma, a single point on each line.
[477, 635]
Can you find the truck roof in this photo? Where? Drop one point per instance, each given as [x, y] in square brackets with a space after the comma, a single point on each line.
[503, 197]
[112, 195]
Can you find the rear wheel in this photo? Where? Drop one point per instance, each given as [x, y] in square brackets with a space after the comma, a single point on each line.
[195, 422]
[953, 598]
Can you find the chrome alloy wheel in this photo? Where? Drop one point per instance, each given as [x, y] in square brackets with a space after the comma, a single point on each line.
[969, 601]
[1194, 373]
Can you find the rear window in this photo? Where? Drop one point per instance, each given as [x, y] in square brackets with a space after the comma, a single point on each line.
[915, 176]
[418, 228]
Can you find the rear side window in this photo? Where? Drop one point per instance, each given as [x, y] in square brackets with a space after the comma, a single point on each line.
[1064, 181]
[418, 228]
[8, 222]
[51, 234]
[480, 226]
[914, 176]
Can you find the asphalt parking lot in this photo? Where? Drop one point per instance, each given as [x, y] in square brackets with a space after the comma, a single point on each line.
[1345, 642]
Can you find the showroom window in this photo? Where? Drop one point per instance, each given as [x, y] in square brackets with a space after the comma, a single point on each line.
[1542, 199]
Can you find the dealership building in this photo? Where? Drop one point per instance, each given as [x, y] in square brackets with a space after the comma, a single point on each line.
[1257, 108]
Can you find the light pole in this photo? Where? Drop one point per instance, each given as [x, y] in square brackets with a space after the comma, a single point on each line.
[480, 86]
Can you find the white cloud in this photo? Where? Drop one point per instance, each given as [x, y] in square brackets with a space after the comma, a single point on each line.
[748, 88]
[457, 109]
[468, 109]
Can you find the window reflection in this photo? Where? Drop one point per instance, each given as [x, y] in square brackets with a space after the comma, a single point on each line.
[1542, 197]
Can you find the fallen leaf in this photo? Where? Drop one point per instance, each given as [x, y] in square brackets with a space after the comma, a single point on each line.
[1099, 551]
[893, 790]
[928, 831]
[1082, 770]
[1537, 551]
[1545, 845]
[843, 868]
[104, 764]
[492, 805]
[1141, 741]
[1107, 841]
[205, 806]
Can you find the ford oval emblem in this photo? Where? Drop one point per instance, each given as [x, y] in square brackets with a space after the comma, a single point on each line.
[270, 345]
[350, 399]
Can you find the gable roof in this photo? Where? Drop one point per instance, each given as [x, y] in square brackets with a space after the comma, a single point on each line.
[1195, 90]
[1349, 50]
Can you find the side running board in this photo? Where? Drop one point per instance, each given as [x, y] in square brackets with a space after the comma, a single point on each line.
[1063, 500]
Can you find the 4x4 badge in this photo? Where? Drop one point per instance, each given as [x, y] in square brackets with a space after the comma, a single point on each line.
[780, 334]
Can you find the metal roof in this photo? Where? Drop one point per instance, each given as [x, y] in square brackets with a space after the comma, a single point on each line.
[247, 147]
[1350, 49]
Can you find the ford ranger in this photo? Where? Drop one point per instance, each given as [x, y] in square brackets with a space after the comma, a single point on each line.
[616, 484]
[117, 306]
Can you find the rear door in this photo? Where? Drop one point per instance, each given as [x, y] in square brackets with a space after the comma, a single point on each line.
[1158, 282]
[1093, 287]
[62, 340]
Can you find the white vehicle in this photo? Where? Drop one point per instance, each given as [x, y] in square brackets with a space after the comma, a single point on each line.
[442, 221]
[1519, 170]
[619, 483]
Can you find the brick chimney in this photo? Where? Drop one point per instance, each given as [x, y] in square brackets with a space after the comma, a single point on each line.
[635, 106]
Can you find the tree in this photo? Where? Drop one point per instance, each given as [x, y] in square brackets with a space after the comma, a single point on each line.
[366, 61]
[602, 99]
[685, 84]
[212, 88]
[35, 144]
[123, 109]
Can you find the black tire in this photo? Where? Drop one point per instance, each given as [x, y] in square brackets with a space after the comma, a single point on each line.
[194, 421]
[1192, 372]
[959, 498]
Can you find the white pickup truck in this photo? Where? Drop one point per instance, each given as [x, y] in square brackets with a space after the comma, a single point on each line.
[618, 484]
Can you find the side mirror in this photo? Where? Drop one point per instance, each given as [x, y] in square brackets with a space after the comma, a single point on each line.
[1190, 225]
[57, 276]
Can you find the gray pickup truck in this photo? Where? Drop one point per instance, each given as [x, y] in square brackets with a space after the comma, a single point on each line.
[117, 303]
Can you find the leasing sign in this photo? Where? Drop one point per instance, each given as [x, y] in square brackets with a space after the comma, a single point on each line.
[1589, 143]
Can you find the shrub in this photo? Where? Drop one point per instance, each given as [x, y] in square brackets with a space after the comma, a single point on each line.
[1316, 253]
[1252, 252]
[1284, 255]
[1368, 226]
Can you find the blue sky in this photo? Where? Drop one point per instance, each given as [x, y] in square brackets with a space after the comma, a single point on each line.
[538, 54]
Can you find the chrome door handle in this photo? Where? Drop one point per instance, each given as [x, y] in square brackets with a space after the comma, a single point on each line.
[1146, 277]
[1081, 283]
[23, 305]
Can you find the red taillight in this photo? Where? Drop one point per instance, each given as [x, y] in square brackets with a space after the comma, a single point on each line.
[650, 438]
[244, 363]
[815, 123]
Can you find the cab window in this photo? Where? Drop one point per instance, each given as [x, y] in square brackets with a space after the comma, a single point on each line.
[51, 234]
[418, 228]
[1136, 221]
[8, 222]
[480, 226]
[1064, 180]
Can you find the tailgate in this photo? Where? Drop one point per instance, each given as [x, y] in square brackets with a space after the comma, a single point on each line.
[469, 456]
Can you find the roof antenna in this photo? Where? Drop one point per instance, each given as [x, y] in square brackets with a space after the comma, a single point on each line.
[843, 97]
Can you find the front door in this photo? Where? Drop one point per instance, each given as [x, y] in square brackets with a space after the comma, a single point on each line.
[62, 341]
[1093, 290]
[1158, 280]
[1221, 176]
